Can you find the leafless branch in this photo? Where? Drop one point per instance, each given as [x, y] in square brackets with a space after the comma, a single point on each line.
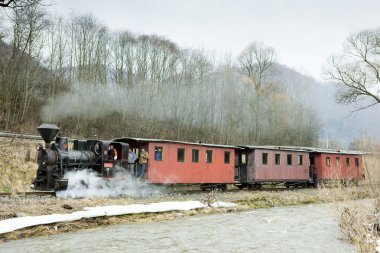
[357, 69]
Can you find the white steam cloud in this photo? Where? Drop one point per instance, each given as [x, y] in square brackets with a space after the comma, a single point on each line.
[88, 184]
[192, 104]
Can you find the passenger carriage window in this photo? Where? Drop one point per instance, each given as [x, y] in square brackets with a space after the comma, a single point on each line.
[289, 159]
[277, 159]
[243, 158]
[357, 162]
[300, 159]
[195, 155]
[181, 155]
[158, 153]
[328, 161]
[348, 162]
[265, 158]
[226, 157]
[208, 156]
[337, 160]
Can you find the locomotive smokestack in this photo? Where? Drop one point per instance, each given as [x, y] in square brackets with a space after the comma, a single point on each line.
[48, 131]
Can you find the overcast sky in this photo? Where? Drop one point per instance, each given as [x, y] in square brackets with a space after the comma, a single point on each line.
[303, 32]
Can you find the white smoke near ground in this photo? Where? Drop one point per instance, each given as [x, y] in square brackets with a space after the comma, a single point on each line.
[88, 184]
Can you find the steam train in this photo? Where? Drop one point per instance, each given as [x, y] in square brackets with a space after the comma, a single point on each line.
[186, 163]
[55, 159]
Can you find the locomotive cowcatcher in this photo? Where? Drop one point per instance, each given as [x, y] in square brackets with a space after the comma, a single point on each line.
[55, 159]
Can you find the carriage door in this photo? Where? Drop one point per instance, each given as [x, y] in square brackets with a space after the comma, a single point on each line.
[357, 168]
[312, 169]
[240, 166]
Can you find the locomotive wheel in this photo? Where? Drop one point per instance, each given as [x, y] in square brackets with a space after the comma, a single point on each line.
[56, 186]
[59, 186]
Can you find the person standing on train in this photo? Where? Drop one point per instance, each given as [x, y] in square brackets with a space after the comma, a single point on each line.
[143, 161]
[112, 153]
[131, 162]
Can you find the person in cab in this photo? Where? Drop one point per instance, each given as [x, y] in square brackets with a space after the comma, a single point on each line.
[132, 157]
[143, 161]
[112, 152]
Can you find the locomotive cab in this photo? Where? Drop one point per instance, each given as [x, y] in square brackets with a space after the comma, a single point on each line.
[110, 165]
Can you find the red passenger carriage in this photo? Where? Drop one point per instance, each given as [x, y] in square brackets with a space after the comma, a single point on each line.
[329, 164]
[174, 162]
[268, 164]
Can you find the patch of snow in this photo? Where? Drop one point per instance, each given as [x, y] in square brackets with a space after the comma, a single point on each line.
[13, 224]
[223, 204]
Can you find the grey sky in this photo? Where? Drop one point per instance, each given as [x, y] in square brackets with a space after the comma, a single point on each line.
[304, 32]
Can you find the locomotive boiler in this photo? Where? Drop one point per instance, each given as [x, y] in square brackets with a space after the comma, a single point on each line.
[56, 159]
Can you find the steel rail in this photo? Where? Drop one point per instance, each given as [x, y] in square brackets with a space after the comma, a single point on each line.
[20, 136]
[33, 193]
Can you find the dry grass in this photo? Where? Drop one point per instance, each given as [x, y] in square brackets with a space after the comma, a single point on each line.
[27, 205]
[302, 197]
[17, 165]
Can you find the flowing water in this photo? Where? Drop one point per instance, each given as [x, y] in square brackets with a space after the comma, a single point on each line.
[310, 228]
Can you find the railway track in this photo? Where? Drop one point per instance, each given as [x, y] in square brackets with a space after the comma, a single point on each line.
[174, 191]
[35, 193]
[19, 136]
[194, 190]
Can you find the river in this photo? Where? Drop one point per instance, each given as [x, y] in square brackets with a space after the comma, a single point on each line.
[309, 228]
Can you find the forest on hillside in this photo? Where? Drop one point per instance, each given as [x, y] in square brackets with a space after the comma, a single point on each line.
[76, 72]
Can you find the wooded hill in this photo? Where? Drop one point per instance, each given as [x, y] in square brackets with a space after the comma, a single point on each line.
[92, 81]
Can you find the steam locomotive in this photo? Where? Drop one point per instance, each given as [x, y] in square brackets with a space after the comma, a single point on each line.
[55, 159]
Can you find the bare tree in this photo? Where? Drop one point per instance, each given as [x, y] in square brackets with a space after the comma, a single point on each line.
[256, 62]
[357, 69]
[89, 49]
[21, 68]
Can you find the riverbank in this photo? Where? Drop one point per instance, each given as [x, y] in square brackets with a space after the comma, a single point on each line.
[18, 206]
